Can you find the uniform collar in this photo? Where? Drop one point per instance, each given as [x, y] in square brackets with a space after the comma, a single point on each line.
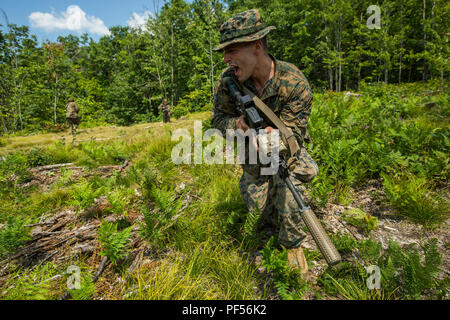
[271, 86]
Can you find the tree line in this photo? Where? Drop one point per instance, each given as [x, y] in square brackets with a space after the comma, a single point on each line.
[122, 78]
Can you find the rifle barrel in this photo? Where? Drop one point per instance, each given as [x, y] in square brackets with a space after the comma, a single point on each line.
[318, 233]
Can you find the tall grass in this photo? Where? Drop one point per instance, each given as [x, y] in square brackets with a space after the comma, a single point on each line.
[204, 271]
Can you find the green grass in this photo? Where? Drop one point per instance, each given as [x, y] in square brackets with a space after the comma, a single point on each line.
[200, 231]
[38, 283]
[415, 199]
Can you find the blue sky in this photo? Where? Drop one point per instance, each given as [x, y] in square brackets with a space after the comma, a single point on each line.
[48, 19]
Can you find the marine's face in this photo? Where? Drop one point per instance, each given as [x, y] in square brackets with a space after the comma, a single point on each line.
[242, 58]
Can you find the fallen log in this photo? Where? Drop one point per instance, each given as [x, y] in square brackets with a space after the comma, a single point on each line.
[53, 166]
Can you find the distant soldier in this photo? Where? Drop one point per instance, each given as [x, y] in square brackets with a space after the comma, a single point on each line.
[165, 108]
[72, 115]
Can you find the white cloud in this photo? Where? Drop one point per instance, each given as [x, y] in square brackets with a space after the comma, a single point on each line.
[137, 21]
[73, 19]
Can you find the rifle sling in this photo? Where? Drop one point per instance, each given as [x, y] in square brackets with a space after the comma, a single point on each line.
[286, 134]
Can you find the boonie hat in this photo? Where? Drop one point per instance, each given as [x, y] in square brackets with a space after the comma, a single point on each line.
[243, 27]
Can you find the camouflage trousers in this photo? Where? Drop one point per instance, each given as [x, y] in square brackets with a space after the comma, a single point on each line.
[270, 196]
[166, 116]
[73, 123]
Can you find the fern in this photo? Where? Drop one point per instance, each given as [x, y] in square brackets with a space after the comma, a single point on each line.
[288, 281]
[344, 243]
[369, 250]
[159, 220]
[166, 201]
[403, 273]
[283, 290]
[118, 199]
[13, 236]
[85, 193]
[412, 277]
[65, 177]
[114, 242]
[86, 291]
[250, 227]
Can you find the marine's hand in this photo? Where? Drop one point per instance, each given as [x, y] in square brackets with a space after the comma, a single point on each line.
[268, 129]
[240, 124]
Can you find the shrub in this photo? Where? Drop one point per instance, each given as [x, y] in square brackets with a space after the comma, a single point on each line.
[196, 100]
[179, 111]
[13, 167]
[3, 142]
[37, 157]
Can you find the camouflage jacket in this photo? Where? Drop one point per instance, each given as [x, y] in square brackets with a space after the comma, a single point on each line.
[164, 107]
[72, 110]
[287, 93]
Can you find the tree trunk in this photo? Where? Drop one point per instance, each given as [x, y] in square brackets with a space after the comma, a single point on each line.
[330, 69]
[20, 104]
[359, 54]
[172, 66]
[386, 72]
[5, 129]
[211, 60]
[401, 44]
[336, 79]
[56, 98]
[161, 84]
[431, 36]
[14, 103]
[409, 75]
[424, 75]
[340, 54]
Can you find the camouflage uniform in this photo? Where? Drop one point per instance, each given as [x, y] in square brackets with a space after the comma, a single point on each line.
[165, 108]
[72, 118]
[289, 96]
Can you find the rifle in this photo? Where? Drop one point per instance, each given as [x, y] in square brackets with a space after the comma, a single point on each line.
[247, 107]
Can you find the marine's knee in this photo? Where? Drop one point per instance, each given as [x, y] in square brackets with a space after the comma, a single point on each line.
[304, 167]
